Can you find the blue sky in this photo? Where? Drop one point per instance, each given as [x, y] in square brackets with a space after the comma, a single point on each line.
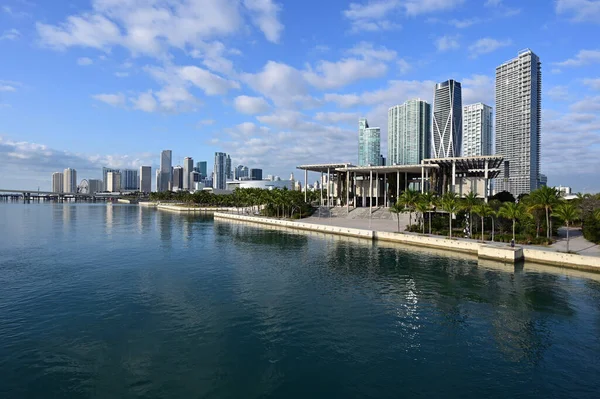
[92, 83]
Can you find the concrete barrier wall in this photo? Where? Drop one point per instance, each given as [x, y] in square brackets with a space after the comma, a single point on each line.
[428, 241]
[590, 263]
[500, 253]
[299, 225]
[187, 209]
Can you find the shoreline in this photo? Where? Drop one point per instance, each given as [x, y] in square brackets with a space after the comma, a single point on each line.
[482, 250]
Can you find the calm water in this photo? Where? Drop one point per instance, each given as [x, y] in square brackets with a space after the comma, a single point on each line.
[102, 301]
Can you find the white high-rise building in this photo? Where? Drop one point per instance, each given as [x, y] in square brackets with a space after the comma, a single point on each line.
[146, 179]
[105, 171]
[57, 182]
[518, 123]
[447, 120]
[70, 181]
[369, 144]
[157, 179]
[188, 168]
[166, 157]
[477, 130]
[113, 182]
[409, 133]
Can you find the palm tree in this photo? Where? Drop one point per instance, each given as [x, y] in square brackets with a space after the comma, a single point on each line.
[545, 198]
[597, 214]
[468, 202]
[483, 210]
[512, 211]
[409, 199]
[568, 213]
[431, 200]
[451, 205]
[397, 208]
[422, 207]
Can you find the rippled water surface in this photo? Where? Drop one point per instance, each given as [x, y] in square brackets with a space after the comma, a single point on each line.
[101, 301]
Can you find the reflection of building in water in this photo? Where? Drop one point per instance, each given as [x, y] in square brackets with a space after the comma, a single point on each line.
[109, 218]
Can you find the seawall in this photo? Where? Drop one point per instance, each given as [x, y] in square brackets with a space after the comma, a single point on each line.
[489, 251]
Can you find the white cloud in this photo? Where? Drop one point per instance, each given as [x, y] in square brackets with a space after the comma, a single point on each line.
[151, 27]
[583, 57]
[210, 83]
[206, 122]
[367, 50]
[464, 23]
[478, 88]
[416, 7]
[403, 66]
[487, 45]
[337, 117]
[395, 93]
[145, 102]
[558, 93]
[11, 34]
[116, 100]
[121, 74]
[6, 87]
[373, 15]
[587, 104]
[84, 61]
[580, 10]
[329, 75]
[446, 43]
[493, 3]
[250, 105]
[592, 83]
[265, 17]
[279, 82]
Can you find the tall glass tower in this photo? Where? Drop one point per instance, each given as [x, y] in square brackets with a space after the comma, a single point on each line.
[166, 157]
[369, 144]
[518, 122]
[221, 170]
[188, 168]
[409, 133]
[447, 119]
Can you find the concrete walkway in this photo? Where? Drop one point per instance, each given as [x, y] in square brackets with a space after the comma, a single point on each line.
[577, 243]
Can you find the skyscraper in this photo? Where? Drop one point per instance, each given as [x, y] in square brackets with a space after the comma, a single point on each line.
[95, 186]
[228, 172]
[220, 171]
[518, 122]
[104, 177]
[202, 169]
[256, 174]
[113, 182]
[165, 170]
[241, 172]
[477, 130]
[57, 182]
[369, 144]
[409, 133]
[157, 179]
[70, 181]
[130, 180]
[188, 168]
[178, 176]
[447, 120]
[146, 179]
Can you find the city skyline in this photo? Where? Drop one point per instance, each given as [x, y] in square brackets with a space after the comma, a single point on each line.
[294, 100]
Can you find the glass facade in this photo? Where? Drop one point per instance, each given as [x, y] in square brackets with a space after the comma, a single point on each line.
[369, 144]
[409, 137]
[447, 120]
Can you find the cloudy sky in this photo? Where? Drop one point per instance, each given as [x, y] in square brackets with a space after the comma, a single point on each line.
[275, 83]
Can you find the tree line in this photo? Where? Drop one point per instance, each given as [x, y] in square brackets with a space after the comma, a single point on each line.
[527, 218]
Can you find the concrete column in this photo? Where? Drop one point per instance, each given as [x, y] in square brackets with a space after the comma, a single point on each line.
[370, 192]
[354, 190]
[422, 179]
[453, 175]
[305, 185]
[397, 185]
[321, 184]
[405, 181]
[363, 190]
[377, 189]
[384, 191]
[348, 192]
[427, 179]
[486, 182]
[328, 187]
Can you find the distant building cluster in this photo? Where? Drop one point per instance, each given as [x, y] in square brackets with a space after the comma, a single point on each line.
[418, 131]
